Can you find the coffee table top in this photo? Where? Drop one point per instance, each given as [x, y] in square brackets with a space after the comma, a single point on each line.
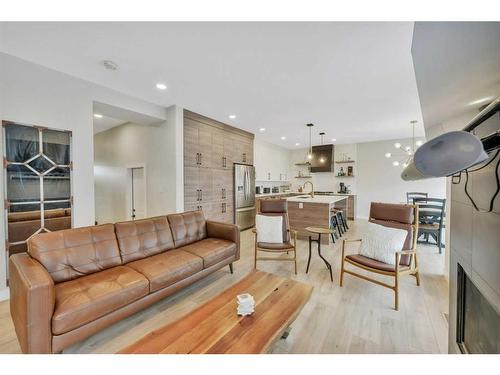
[319, 230]
[214, 327]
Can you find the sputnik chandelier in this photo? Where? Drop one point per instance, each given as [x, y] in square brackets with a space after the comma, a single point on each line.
[403, 154]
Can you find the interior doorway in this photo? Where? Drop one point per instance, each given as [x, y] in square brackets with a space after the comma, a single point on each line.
[124, 144]
[138, 193]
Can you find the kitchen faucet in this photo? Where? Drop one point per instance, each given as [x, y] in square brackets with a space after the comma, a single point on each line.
[312, 188]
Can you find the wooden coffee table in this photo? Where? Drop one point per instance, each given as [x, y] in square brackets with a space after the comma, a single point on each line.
[216, 328]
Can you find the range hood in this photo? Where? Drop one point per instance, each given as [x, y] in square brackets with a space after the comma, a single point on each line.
[322, 160]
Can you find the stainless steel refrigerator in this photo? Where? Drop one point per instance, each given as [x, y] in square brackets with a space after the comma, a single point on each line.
[244, 195]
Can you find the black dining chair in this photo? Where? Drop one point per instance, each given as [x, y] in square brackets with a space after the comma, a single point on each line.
[412, 195]
[431, 213]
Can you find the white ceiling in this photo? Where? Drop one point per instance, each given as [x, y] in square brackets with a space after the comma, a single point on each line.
[457, 65]
[353, 80]
[105, 123]
[114, 116]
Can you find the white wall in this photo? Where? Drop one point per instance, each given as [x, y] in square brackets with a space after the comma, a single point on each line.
[131, 145]
[110, 186]
[33, 94]
[379, 181]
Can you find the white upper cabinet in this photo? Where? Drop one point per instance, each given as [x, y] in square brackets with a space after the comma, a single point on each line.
[272, 163]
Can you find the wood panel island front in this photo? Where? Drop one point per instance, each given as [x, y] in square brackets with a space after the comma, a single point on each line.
[307, 211]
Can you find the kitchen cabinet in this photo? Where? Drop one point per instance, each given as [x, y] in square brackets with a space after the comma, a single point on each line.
[243, 149]
[272, 163]
[197, 145]
[197, 185]
[222, 150]
[210, 149]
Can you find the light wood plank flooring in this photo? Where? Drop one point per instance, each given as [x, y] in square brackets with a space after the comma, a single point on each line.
[357, 318]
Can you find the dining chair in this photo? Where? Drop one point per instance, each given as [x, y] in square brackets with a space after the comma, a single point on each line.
[277, 207]
[431, 219]
[412, 195]
[401, 216]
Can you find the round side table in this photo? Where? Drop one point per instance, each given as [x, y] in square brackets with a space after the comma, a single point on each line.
[319, 231]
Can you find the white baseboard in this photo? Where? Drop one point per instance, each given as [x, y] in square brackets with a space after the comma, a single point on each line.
[4, 294]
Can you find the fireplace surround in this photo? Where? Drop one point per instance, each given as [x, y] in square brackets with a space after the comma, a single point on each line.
[477, 321]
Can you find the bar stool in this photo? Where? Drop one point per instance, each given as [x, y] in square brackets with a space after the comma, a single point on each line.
[334, 226]
[339, 214]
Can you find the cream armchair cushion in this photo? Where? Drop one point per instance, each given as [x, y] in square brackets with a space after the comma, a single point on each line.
[381, 243]
[269, 228]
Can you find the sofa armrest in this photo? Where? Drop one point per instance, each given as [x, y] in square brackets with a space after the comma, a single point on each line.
[225, 231]
[32, 300]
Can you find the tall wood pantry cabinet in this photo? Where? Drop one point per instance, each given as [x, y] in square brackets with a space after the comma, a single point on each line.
[210, 150]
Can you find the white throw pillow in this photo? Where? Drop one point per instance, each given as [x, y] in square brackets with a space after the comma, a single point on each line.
[269, 228]
[381, 243]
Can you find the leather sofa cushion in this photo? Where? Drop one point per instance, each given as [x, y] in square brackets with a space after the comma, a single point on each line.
[142, 238]
[187, 227]
[211, 250]
[372, 263]
[87, 298]
[167, 268]
[72, 253]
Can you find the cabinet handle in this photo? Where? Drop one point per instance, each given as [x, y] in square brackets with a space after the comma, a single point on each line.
[201, 194]
[201, 158]
[268, 175]
[197, 195]
[244, 157]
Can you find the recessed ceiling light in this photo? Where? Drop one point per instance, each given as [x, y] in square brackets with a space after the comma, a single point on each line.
[110, 65]
[283, 138]
[397, 145]
[97, 115]
[334, 139]
[232, 117]
[419, 143]
[161, 86]
[395, 163]
[262, 129]
[297, 144]
[388, 154]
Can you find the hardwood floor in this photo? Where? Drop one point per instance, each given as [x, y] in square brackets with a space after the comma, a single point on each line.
[355, 318]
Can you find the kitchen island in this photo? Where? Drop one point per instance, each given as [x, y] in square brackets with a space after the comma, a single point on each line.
[306, 211]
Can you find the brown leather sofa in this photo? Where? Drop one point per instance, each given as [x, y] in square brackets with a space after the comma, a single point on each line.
[75, 282]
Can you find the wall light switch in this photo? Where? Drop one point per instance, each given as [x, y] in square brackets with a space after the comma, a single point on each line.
[301, 205]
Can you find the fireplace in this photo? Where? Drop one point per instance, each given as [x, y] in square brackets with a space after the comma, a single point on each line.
[478, 323]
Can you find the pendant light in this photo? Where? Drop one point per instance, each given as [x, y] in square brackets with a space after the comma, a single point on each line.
[322, 158]
[310, 154]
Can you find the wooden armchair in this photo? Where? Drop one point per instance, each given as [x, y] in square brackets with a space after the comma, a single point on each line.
[401, 216]
[277, 207]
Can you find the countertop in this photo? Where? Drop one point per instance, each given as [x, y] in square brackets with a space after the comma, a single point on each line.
[298, 193]
[276, 194]
[325, 199]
